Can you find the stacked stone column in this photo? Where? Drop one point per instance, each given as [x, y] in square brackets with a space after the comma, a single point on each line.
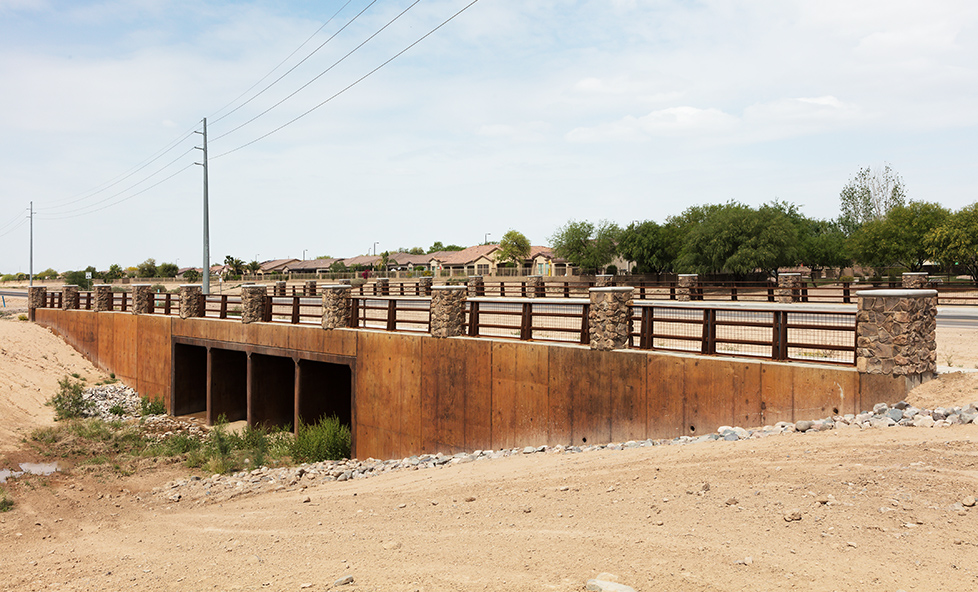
[103, 297]
[535, 287]
[69, 299]
[476, 286]
[896, 333]
[424, 285]
[914, 280]
[789, 287]
[35, 299]
[191, 301]
[382, 287]
[603, 281]
[685, 283]
[280, 288]
[336, 307]
[310, 288]
[609, 318]
[253, 303]
[142, 299]
[447, 310]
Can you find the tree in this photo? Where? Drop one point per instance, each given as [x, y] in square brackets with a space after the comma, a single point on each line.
[738, 239]
[869, 195]
[167, 270]
[253, 267]
[147, 269]
[235, 266]
[191, 275]
[513, 247]
[337, 267]
[416, 251]
[822, 244]
[47, 274]
[653, 247]
[898, 238]
[115, 272]
[585, 245]
[955, 241]
[438, 246]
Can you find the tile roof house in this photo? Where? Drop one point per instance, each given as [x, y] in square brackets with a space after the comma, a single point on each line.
[477, 260]
[275, 266]
[310, 266]
[362, 260]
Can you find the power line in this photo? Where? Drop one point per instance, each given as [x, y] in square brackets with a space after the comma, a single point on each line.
[321, 74]
[56, 204]
[22, 222]
[287, 59]
[67, 214]
[351, 85]
[14, 219]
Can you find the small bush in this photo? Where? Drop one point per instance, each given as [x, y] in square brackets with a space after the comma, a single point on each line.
[22, 317]
[5, 502]
[327, 440]
[846, 278]
[117, 410]
[69, 403]
[150, 407]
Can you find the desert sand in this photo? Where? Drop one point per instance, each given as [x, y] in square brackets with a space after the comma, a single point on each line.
[880, 509]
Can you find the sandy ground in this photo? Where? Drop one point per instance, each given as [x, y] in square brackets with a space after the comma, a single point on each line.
[876, 506]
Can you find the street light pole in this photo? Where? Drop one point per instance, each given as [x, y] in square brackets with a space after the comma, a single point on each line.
[486, 242]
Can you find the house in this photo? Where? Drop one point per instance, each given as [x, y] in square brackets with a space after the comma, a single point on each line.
[362, 261]
[408, 262]
[477, 260]
[275, 266]
[310, 266]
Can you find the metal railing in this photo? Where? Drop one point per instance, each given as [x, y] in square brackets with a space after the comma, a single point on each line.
[532, 319]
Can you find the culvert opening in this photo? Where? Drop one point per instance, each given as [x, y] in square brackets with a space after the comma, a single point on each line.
[324, 390]
[189, 379]
[229, 385]
[272, 390]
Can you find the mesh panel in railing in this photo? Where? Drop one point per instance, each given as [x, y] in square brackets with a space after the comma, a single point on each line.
[821, 337]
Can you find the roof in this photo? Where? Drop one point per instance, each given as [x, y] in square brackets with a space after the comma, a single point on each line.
[463, 257]
[409, 259]
[276, 264]
[365, 260]
[310, 265]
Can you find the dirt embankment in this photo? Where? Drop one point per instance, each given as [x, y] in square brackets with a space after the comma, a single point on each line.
[880, 509]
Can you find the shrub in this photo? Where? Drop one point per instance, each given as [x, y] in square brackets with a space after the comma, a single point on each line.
[846, 278]
[5, 502]
[117, 410]
[149, 407]
[327, 440]
[69, 402]
[22, 317]
[611, 270]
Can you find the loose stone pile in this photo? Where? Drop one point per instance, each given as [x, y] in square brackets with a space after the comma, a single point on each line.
[264, 479]
[113, 396]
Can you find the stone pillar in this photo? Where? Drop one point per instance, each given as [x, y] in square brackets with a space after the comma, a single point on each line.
[685, 282]
[36, 295]
[280, 288]
[476, 285]
[69, 301]
[447, 310]
[346, 282]
[603, 281]
[382, 287]
[789, 287]
[425, 284]
[915, 280]
[609, 319]
[896, 333]
[253, 302]
[103, 297]
[336, 306]
[310, 288]
[142, 299]
[191, 301]
[535, 288]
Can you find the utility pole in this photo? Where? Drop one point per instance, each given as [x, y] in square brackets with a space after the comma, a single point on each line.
[31, 262]
[206, 276]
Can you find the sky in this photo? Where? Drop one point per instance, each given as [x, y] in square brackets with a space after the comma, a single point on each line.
[511, 115]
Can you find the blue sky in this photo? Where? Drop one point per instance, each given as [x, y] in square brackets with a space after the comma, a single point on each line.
[519, 115]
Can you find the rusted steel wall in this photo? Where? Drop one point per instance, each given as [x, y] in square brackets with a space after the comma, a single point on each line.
[415, 393]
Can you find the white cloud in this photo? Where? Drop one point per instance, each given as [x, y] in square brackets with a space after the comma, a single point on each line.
[683, 121]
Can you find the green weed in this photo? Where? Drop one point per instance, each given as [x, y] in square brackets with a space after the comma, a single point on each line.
[327, 440]
[69, 403]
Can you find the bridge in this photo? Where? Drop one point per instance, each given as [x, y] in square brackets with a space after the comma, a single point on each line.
[455, 371]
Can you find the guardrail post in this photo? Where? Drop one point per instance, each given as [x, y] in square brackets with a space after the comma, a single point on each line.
[914, 280]
[709, 346]
[685, 286]
[336, 307]
[382, 287]
[103, 297]
[253, 299]
[447, 310]
[846, 294]
[279, 288]
[142, 299]
[310, 288]
[70, 299]
[36, 297]
[789, 287]
[610, 317]
[424, 285]
[191, 301]
[896, 334]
